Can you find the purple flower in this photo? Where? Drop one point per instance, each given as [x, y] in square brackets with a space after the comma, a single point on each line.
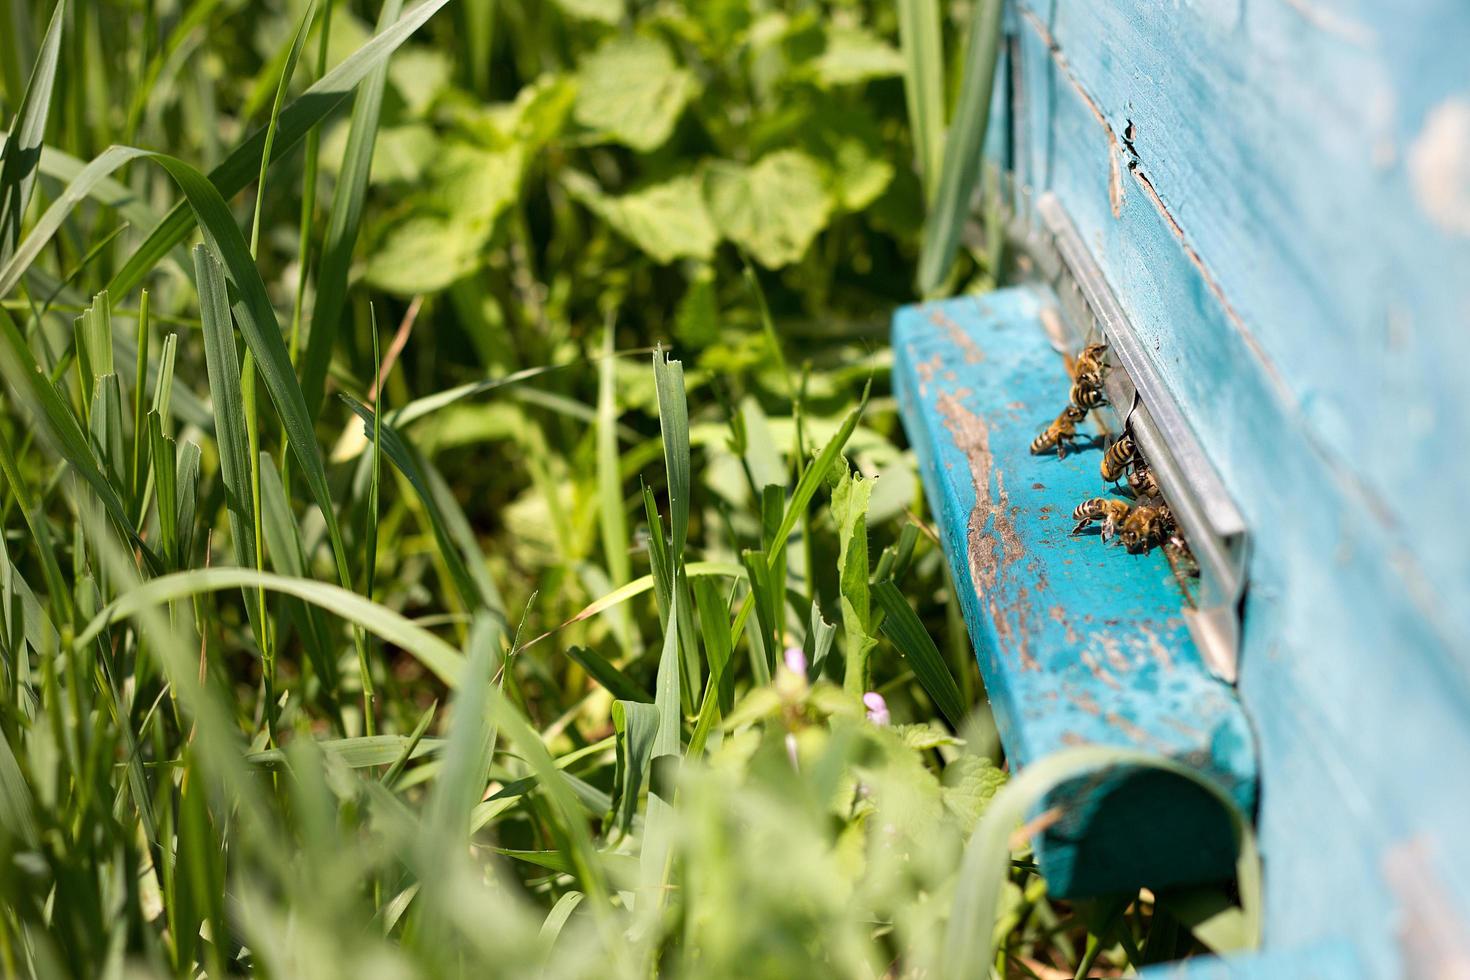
[795, 660]
[877, 708]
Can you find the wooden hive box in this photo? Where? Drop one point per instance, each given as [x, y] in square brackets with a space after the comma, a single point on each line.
[1264, 207]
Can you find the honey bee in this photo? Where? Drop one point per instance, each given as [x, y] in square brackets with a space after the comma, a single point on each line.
[1060, 433]
[1090, 361]
[1146, 527]
[1117, 458]
[1142, 482]
[1087, 391]
[1109, 510]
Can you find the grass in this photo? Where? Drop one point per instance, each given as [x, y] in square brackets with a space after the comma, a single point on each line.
[505, 558]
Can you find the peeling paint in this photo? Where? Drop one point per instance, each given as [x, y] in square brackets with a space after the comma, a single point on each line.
[926, 371]
[956, 333]
[1128, 728]
[1439, 166]
[1159, 650]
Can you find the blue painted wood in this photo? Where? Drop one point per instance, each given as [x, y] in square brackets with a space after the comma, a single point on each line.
[1079, 642]
[1276, 191]
[1328, 961]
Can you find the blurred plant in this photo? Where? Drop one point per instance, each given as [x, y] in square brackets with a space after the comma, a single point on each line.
[228, 622]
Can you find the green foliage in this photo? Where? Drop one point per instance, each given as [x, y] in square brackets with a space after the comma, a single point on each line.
[631, 91]
[227, 628]
[850, 512]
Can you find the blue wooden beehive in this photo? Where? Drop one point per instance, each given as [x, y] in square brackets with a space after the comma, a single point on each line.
[1264, 207]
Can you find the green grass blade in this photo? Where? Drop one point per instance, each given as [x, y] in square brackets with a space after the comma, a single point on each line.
[820, 637]
[612, 517]
[358, 752]
[304, 113]
[714, 625]
[962, 148]
[464, 774]
[604, 672]
[370, 548]
[556, 919]
[222, 362]
[412, 747]
[90, 176]
[407, 461]
[310, 169]
[288, 557]
[923, 84]
[812, 477]
[164, 454]
[901, 625]
[659, 819]
[673, 419]
[659, 564]
[443, 660]
[850, 513]
[17, 809]
[257, 321]
[293, 54]
[140, 401]
[56, 588]
[107, 430]
[636, 588]
[766, 646]
[343, 224]
[93, 339]
[21, 157]
[57, 422]
[187, 482]
[636, 724]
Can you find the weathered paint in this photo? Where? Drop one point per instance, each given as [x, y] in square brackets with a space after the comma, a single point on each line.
[1079, 641]
[1327, 961]
[1276, 191]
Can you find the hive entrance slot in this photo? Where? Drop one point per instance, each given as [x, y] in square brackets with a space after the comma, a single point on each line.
[1212, 525]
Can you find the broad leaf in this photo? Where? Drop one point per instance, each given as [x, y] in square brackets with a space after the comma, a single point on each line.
[773, 209]
[854, 55]
[632, 92]
[668, 221]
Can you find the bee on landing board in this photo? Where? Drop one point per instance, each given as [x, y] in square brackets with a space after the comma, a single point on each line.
[1090, 361]
[1087, 391]
[1146, 527]
[1117, 458]
[1060, 433]
[1142, 482]
[1087, 377]
[1109, 510]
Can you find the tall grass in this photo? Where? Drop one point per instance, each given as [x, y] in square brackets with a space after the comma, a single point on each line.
[516, 655]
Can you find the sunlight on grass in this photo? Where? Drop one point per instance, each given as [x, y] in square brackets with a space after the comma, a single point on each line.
[559, 664]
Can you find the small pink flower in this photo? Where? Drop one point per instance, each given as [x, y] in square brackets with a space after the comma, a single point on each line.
[795, 660]
[877, 708]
